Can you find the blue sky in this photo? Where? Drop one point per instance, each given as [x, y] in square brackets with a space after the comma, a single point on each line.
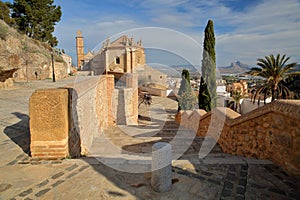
[245, 30]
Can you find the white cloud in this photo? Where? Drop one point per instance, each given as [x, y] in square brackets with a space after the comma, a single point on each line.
[265, 27]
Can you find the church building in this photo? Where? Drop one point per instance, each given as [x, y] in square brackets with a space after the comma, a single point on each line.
[120, 56]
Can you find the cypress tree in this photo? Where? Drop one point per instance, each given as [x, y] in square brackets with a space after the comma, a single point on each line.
[186, 97]
[209, 62]
[204, 97]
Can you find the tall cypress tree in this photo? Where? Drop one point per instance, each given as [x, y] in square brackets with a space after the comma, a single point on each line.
[209, 62]
[204, 97]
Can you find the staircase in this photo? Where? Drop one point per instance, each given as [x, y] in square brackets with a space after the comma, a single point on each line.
[129, 148]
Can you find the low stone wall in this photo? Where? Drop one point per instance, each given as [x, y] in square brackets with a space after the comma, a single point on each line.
[154, 91]
[64, 121]
[190, 119]
[270, 132]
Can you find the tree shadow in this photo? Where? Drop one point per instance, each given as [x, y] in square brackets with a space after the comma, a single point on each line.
[19, 133]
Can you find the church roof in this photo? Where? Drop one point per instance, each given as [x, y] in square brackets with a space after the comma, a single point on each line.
[89, 55]
[124, 41]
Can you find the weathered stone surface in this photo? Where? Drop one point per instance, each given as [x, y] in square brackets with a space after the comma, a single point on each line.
[161, 179]
[270, 132]
[49, 125]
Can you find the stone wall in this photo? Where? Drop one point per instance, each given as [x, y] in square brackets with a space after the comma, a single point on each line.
[270, 132]
[154, 91]
[65, 121]
[125, 101]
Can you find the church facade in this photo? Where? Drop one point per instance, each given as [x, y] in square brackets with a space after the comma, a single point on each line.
[120, 56]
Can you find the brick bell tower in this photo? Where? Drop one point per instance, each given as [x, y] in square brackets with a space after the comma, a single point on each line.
[79, 50]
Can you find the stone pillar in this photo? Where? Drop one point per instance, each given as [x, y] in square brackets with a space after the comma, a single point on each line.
[161, 178]
[49, 123]
[110, 86]
[132, 82]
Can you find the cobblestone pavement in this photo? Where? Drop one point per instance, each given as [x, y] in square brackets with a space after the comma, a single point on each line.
[218, 176]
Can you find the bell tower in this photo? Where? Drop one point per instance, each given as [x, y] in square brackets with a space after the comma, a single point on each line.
[79, 50]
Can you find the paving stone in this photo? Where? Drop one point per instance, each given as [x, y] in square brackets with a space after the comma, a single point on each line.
[72, 167]
[230, 176]
[4, 187]
[25, 193]
[214, 181]
[243, 174]
[83, 168]
[42, 183]
[242, 182]
[196, 188]
[71, 175]
[12, 162]
[232, 168]
[226, 193]
[240, 190]
[186, 173]
[58, 183]
[228, 185]
[198, 177]
[207, 173]
[57, 175]
[244, 167]
[239, 197]
[42, 192]
[35, 162]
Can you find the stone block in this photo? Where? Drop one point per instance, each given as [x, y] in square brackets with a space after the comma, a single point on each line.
[49, 123]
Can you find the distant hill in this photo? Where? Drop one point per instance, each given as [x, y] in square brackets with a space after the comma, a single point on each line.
[235, 68]
[297, 68]
[193, 69]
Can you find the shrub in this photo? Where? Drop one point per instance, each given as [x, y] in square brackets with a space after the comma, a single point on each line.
[3, 32]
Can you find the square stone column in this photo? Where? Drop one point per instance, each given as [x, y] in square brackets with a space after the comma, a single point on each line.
[49, 123]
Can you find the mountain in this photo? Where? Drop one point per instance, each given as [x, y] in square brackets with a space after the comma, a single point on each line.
[235, 68]
[297, 68]
[193, 69]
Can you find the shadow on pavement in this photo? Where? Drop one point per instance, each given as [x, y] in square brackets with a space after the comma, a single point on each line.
[19, 133]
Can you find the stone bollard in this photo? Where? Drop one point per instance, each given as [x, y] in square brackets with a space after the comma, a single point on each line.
[161, 178]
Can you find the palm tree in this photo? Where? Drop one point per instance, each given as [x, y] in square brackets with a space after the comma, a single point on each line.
[275, 71]
[236, 99]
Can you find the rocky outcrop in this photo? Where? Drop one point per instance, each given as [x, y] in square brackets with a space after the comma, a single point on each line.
[23, 58]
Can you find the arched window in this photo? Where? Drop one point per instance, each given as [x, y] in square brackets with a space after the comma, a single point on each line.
[117, 60]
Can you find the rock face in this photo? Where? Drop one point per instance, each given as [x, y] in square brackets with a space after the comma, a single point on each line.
[23, 58]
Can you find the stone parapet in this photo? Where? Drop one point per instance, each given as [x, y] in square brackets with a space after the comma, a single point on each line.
[269, 132]
[65, 121]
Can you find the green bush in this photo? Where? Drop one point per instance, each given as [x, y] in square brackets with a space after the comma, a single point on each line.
[3, 32]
